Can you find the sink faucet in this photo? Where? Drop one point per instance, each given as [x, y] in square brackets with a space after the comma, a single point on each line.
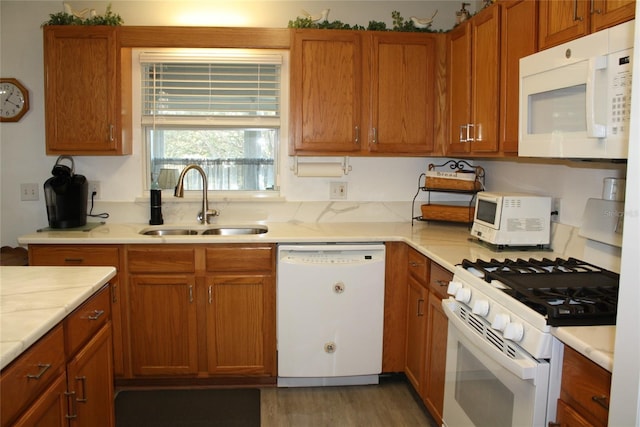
[206, 213]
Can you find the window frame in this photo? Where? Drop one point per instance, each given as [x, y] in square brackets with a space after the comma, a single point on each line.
[139, 127]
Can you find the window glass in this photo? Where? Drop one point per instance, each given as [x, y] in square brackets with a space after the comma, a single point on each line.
[220, 109]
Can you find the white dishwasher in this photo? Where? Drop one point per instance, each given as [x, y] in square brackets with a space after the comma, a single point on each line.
[330, 311]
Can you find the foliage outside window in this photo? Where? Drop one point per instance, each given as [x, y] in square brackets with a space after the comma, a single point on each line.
[218, 109]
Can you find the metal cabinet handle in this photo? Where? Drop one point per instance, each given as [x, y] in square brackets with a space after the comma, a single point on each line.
[210, 291]
[602, 401]
[575, 11]
[471, 132]
[442, 283]
[357, 140]
[419, 312]
[72, 405]
[111, 136]
[190, 293]
[595, 11]
[83, 381]
[44, 367]
[375, 136]
[96, 314]
[463, 131]
[415, 264]
[114, 294]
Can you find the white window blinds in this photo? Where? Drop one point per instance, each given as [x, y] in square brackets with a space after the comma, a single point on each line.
[210, 85]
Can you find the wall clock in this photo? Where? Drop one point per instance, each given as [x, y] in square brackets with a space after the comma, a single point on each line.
[14, 100]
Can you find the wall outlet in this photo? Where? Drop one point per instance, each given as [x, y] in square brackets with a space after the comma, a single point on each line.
[94, 186]
[29, 192]
[338, 190]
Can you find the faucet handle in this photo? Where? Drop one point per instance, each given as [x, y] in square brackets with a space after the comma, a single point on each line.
[210, 213]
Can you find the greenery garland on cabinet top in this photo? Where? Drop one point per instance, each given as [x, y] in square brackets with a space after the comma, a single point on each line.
[399, 24]
[70, 17]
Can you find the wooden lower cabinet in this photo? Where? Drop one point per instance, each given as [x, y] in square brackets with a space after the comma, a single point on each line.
[202, 310]
[426, 333]
[239, 334]
[66, 378]
[90, 382]
[163, 324]
[584, 392]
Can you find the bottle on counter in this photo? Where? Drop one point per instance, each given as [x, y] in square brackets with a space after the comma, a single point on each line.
[155, 203]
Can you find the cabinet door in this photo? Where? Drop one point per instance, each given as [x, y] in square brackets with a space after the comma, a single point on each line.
[569, 417]
[416, 333]
[485, 75]
[403, 93]
[459, 88]
[561, 21]
[241, 325]
[326, 90]
[435, 363]
[81, 92]
[50, 409]
[518, 29]
[607, 13]
[90, 380]
[163, 324]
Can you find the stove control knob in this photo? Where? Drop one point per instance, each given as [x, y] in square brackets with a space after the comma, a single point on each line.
[500, 322]
[463, 295]
[453, 287]
[514, 331]
[481, 307]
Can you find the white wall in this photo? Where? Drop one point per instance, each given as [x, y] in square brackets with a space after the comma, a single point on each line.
[23, 158]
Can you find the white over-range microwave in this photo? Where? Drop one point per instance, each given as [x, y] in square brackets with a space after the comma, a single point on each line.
[575, 99]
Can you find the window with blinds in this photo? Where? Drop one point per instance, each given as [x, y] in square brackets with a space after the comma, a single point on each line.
[220, 109]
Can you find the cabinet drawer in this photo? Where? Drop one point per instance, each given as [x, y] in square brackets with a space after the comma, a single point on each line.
[161, 260]
[240, 259]
[439, 278]
[25, 379]
[584, 385]
[83, 323]
[418, 265]
[74, 255]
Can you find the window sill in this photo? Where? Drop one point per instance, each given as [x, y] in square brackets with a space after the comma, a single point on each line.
[196, 197]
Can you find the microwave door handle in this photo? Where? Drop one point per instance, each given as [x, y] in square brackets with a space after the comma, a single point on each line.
[594, 129]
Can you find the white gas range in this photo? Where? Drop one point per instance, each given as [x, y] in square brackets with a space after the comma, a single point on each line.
[503, 364]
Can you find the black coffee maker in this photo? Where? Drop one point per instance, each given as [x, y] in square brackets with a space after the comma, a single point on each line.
[66, 196]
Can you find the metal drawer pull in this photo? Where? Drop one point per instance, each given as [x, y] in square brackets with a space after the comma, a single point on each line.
[96, 314]
[82, 380]
[442, 283]
[44, 367]
[415, 264]
[75, 260]
[602, 401]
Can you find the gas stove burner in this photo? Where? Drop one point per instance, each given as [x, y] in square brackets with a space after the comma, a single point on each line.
[567, 292]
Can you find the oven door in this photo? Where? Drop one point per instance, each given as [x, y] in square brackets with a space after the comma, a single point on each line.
[489, 381]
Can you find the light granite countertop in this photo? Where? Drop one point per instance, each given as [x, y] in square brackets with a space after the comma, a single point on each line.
[35, 299]
[445, 243]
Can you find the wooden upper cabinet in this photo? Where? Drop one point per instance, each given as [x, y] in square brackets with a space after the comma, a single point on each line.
[565, 20]
[518, 26]
[326, 80]
[474, 71]
[83, 114]
[401, 78]
[362, 92]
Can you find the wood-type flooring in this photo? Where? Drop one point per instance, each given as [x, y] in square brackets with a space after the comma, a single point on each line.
[388, 404]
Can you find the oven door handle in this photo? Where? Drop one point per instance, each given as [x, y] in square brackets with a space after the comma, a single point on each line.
[524, 367]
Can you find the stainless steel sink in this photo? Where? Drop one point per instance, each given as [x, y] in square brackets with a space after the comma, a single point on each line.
[207, 231]
[169, 232]
[229, 231]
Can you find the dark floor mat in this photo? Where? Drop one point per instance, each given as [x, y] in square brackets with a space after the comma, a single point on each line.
[175, 408]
